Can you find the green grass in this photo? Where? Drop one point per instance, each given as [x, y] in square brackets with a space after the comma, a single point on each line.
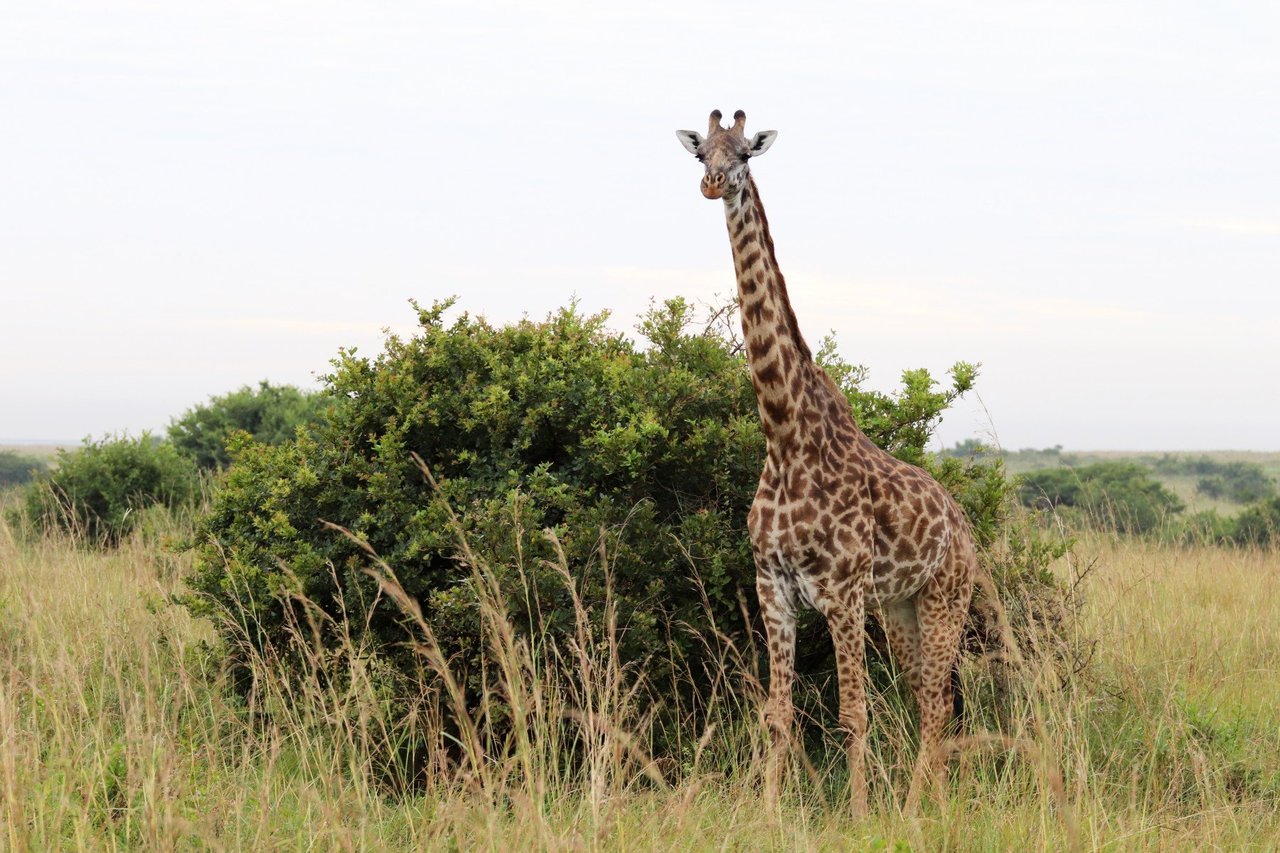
[119, 730]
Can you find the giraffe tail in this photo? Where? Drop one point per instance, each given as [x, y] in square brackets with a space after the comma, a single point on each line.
[957, 698]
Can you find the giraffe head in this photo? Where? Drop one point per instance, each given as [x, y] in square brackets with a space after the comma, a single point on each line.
[725, 152]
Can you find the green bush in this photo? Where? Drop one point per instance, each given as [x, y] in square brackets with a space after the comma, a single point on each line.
[1258, 524]
[1206, 527]
[16, 469]
[1118, 496]
[269, 413]
[98, 491]
[643, 460]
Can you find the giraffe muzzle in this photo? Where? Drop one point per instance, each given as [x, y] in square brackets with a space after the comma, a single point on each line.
[713, 188]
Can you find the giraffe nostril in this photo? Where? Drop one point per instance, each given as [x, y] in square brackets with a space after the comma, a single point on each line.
[720, 178]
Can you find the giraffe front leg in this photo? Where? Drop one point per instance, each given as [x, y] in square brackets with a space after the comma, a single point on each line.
[779, 713]
[847, 624]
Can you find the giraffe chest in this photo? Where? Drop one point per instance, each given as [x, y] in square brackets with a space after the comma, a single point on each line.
[811, 537]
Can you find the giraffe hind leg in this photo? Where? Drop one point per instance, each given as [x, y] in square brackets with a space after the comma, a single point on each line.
[941, 614]
[903, 633]
[898, 619]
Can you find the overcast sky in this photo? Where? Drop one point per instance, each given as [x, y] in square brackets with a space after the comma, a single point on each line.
[1083, 196]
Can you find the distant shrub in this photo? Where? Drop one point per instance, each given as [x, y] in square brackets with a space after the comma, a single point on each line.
[1212, 487]
[98, 490]
[271, 414]
[1258, 524]
[1207, 527]
[1120, 496]
[1197, 466]
[642, 460]
[16, 468]
[1237, 482]
[971, 448]
[1030, 458]
[1241, 483]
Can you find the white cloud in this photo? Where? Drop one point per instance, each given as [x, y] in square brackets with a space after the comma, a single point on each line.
[1249, 227]
[301, 326]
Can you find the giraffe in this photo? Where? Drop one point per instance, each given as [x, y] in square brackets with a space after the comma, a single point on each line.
[837, 524]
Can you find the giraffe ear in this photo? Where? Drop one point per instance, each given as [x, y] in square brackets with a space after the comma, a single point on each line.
[690, 139]
[761, 141]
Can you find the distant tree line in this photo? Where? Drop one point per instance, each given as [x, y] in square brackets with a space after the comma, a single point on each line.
[1125, 496]
[1237, 482]
[17, 468]
[101, 490]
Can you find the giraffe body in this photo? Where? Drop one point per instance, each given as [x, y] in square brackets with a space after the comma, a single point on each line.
[837, 524]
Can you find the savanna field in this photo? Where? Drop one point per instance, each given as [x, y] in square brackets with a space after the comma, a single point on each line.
[280, 627]
[120, 731]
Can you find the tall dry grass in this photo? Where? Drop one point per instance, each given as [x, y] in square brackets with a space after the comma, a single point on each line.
[119, 729]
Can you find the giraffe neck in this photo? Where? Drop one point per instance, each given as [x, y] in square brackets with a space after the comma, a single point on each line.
[776, 352]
